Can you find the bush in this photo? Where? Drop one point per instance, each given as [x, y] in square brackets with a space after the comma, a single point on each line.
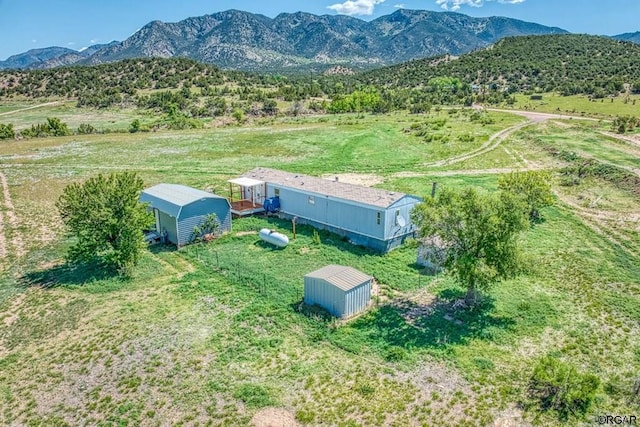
[135, 126]
[86, 129]
[6, 131]
[53, 127]
[207, 229]
[558, 386]
[305, 417]
[179, 121]
[254, 395]
[466, 138]
[238, 114]
[395, 354]
[315, 238]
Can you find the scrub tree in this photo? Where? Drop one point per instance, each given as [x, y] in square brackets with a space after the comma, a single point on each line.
[106, 220]
[479, 234]
[534, 187]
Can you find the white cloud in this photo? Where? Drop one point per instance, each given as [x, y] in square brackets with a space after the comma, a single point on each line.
[400, 6]
[94, 41]
[34, 41]
[456, 4]
[71, 43]
[356, 7]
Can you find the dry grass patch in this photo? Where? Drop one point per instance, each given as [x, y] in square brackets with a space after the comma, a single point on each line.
[274, 417]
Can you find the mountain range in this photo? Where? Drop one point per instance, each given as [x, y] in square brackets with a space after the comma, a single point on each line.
[246, 41]
[629, 37]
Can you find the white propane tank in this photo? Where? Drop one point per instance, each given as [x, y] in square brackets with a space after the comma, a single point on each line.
[273, 237]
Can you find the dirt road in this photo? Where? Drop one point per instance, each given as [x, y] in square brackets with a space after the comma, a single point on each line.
[535, 116]
[33, 107]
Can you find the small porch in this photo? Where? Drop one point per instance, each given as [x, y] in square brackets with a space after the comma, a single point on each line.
[246, 196]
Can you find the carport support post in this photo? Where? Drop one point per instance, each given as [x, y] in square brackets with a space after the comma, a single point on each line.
[433, 190]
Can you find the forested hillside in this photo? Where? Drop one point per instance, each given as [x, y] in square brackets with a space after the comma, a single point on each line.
[121, 78]
[570, 64]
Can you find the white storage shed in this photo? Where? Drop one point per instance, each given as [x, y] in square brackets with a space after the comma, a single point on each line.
[342, 291]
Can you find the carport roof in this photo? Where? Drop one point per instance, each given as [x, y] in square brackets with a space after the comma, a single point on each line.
[245, 182]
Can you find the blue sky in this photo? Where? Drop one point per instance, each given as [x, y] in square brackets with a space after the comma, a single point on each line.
[28, 24]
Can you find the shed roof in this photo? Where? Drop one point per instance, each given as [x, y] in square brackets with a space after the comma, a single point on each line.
[356, 193]
[343, 277]
[170, 198]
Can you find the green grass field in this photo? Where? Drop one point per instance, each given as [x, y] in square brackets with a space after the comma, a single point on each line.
[213, 334]
[581, 105]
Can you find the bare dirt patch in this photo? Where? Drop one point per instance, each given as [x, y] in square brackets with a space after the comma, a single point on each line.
[12, 312]
[561, 124]
[274, 417]
[407, 174]
[511, 417]
[12, 219]
[416, 306]
[245, 233]
[367, 180]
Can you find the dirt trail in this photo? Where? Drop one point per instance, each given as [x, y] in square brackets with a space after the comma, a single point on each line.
[468, 172]
[633, 140]
[11, 220]
[599, 222]
[33, 107]
[494, 141]
[3, 240]
[535, 116]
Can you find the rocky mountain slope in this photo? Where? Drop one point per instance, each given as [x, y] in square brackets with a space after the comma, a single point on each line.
[247, 41]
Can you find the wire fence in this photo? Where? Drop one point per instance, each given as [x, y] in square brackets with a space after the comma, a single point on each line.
[272, 281]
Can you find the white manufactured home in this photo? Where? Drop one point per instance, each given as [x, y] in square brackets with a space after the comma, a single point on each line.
[371, 217]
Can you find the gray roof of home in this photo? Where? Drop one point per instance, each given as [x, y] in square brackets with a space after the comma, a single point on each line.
[356, 193]
[170, 198]
[340, 276]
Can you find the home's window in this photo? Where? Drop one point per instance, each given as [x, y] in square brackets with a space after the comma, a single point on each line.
[378, 218]
[397, 217]
[276, 192]
[312, 200]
